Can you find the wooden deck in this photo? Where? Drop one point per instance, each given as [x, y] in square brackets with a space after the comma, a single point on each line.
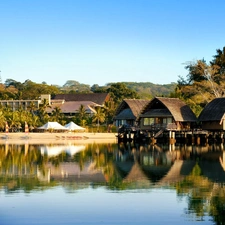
[164, 135]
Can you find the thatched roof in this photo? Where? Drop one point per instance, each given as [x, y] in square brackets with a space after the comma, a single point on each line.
[178, 171]
[98, 98]
[165, 106]
[130, 108]
[136, 174]
[75, 174]
[213, 111]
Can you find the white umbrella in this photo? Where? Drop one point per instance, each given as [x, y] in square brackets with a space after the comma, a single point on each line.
[73, 149]
[52, 150]
[72, 126]
[52, 125]
[56, 150]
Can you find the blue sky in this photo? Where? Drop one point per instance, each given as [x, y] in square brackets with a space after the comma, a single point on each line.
[103, 41]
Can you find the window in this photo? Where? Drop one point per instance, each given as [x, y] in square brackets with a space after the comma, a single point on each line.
[148, 121]
[120, 122]
[169, 120]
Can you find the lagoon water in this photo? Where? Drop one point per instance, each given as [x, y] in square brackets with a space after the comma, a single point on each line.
[110, 183]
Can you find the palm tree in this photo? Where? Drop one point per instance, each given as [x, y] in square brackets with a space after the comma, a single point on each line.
[2, 120]
[43, 115]
[99, 116]
[57, 114]
[14, 121]
[32, 107]
[109, 109]
[82, 114]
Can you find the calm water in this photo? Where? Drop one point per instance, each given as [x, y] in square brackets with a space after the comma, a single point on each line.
[111, 183]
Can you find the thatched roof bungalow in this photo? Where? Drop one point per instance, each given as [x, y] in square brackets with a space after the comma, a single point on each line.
[128, 111]
[166, 113]
[212, 116]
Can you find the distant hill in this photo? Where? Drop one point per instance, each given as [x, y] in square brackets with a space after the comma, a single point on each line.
[148, 90]
[145, 90]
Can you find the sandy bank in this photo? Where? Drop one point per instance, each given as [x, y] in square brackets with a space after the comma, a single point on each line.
[57, 137]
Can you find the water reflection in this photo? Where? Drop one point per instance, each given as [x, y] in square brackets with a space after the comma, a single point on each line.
[196, 173]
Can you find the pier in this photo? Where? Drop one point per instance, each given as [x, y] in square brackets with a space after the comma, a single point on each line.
[197, 137]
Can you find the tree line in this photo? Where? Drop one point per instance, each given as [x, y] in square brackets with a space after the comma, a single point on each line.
[13, 90]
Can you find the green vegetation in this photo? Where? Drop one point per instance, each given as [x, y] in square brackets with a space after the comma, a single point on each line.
[100, 122]
[147, 90]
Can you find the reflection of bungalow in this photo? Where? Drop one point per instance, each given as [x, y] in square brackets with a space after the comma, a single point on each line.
[166, 113]
[128, 111]
[212, 116]
[73, 172]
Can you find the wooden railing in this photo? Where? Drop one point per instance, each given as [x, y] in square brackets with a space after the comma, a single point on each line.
[163, 126]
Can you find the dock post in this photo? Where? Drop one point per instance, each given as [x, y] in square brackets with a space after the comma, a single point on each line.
[170, 134]
[129, 135]
[172, 137]
[223, 156]
[198, 140]
[153, 140]
[193, 138]
[222, 137]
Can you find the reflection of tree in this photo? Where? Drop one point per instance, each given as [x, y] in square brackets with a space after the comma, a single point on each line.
[115, 181]
[15, 160]
[217, 202]
[41, 163]
[204, 196]
[56, 160]
[18, 168]
[101, 156]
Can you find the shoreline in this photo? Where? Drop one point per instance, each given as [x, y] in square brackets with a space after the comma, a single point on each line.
[22, 137]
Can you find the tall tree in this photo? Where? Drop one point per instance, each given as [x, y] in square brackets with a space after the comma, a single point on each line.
[219, 60]
[119, 91]
[204, 77]
[203, 82]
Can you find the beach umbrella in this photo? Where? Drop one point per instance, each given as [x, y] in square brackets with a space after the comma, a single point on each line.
[52, 126]
[72, 126]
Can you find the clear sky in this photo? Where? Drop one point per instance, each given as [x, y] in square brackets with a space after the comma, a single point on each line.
[103, 41]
